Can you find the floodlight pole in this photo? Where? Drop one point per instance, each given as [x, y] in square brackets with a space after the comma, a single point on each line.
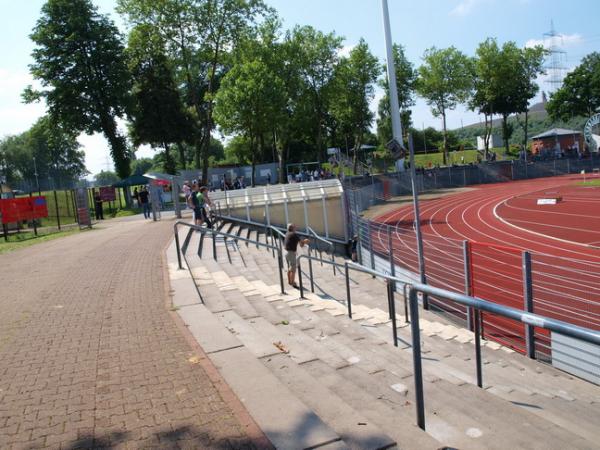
[397, 134]
[391, 75]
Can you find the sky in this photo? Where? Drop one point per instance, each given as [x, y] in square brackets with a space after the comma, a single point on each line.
[417, 25]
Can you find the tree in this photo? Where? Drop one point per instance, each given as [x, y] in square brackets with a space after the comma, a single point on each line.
[505, 83]
[79, 61]
[532, 60]
[141, 166]
[316, 56]
[355, 78]
[444, 81]
[58, 155]
[580, 92]
[200, 35]
[248, 102]
[405, 81]
[105, 178]
[158, 115]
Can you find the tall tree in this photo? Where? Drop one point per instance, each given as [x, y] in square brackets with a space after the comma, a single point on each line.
[200, 35]
[316, 55]
[58, 155]
[158, 116]
[79, 61]
[405, 82]
[530, 67]
[445, 80]
[580, 92]
[355, 79]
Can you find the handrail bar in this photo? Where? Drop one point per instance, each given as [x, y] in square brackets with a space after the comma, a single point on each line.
[509, 312]
[233, 237]
[320, 238]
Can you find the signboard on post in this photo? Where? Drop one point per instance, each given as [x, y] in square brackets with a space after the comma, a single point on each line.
[25, 208]
[83, 209]
[107, 194]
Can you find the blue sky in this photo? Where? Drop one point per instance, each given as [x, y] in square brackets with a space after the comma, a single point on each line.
[417, 25]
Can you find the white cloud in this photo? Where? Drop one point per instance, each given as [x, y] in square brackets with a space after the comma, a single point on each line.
[562, 40]
[465, 7]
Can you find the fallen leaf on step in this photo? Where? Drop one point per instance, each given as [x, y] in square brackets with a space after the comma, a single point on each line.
[361, 423]
[284, 322]
[281, 347]
[194, 360]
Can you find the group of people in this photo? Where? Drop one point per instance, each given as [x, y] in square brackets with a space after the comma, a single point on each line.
[310, 175]
[196, 197]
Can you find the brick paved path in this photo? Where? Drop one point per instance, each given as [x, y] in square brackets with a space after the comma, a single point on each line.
[91, 357]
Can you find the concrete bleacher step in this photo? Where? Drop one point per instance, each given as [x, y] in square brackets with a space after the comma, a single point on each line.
[312, 346]
[353, 427]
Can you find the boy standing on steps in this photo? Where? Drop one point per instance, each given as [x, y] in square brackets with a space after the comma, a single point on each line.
[291, 241]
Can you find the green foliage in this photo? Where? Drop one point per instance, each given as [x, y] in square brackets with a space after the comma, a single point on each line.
[105, 178]
[580, 92]
[56, 151]
[79, 61]
[200, 35]
[445, 80]
[355, 78]
[405, 82]
[141, 166]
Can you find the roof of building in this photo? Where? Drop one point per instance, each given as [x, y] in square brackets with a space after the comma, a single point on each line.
[556, 132]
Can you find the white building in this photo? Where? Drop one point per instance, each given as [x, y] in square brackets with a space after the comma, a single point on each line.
[495, 141]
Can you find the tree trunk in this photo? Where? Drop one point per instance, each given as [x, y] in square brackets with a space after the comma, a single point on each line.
[526, 129]
[487, 135]
[445, 138]
[505, 131]
[169, 165]
[118, 146]
[182, 161]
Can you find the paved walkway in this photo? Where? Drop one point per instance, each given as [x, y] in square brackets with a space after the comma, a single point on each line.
[91, 356]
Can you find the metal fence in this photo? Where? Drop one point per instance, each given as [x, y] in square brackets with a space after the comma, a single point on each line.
[566, 289]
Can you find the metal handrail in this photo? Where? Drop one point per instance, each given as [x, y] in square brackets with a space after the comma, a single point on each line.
[215, 233]
[328, 243]
[477, 304]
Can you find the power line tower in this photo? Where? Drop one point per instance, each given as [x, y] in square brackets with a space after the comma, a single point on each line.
[555, 62]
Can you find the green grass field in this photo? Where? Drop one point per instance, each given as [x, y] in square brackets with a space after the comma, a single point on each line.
[594, 182]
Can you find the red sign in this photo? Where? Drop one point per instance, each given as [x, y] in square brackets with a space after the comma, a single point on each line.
[24, 208]
[107, 194]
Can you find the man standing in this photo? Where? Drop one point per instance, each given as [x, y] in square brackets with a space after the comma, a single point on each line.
[291, 241]
[145, 202]
[98, 206]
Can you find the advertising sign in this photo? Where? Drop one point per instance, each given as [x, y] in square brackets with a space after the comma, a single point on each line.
[24, 208]
[107, 194]
[83, 211]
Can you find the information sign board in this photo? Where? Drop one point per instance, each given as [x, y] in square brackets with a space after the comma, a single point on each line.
[107, 194]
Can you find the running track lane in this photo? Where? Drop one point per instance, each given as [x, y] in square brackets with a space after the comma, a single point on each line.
[566, 275]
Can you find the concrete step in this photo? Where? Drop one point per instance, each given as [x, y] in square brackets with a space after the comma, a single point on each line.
[354, 428]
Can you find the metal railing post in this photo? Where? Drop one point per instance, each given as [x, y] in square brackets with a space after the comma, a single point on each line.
[417, 363]
[177, 246]
[371, 254]
[467, 269]
[477, 317]
[310, 271]
[214, 246]
[348, 298]
[280, 262]
[392, 307]
[406, 316]
[300, 279]
[528, 299]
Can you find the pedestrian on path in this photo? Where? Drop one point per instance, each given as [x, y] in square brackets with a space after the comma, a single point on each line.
[144, 199]
[204, 201]
[291, 241]
[98, 206]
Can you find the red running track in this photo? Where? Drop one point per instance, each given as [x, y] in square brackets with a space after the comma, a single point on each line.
[566, 271]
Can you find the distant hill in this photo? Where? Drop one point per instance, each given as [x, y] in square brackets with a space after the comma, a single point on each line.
[538, 123]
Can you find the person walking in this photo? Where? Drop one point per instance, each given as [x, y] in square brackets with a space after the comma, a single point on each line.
[98, 206]
[144, 199]
[136, 197]
[290, 243]
[204, 200]
[195, 199]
